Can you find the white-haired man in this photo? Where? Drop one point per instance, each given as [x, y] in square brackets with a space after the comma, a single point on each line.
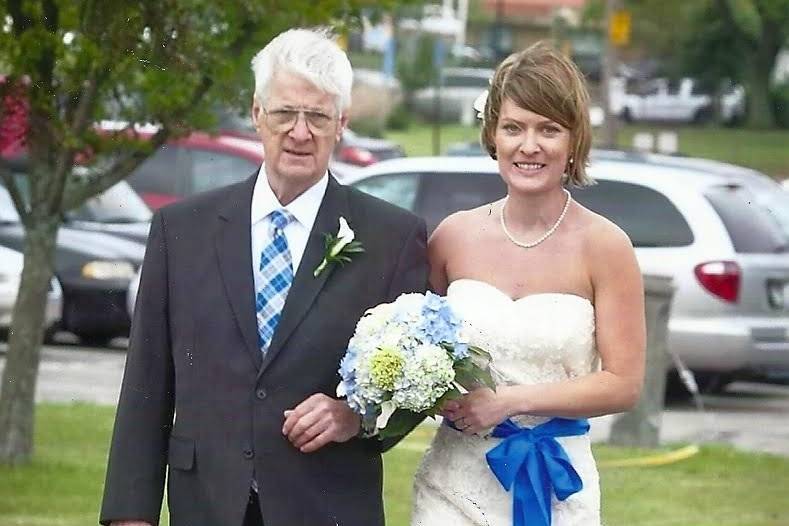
[236, 339]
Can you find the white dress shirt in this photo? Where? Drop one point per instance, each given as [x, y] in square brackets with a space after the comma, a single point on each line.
[304, 208]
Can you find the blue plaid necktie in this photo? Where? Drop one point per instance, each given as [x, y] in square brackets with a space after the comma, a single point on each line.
[276, 271]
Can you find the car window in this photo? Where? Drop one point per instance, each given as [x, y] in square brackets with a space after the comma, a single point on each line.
[751, 227]
[117, 204]
[777, 206]
[443, 194]
[648, 217]
[461, 81]
[214, 169]
[398, 189]
[164, 172]
[8, 213]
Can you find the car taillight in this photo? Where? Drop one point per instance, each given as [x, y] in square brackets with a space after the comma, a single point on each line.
[721, 278]
[357, 156]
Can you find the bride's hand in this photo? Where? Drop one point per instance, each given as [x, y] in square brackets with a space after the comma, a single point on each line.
[477, 411]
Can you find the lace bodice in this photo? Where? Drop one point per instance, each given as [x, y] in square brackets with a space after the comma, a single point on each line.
[540, 338]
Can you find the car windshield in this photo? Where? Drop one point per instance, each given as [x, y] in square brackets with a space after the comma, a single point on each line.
[118, 204]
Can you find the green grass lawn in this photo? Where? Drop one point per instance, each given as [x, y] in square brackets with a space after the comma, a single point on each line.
[718, 487]
[766, 151]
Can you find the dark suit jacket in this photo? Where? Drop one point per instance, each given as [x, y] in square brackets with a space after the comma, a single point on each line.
[200, 402]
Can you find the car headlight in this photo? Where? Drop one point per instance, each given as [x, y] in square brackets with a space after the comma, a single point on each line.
[108, 270]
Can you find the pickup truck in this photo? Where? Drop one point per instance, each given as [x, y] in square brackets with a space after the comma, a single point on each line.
[678, 100]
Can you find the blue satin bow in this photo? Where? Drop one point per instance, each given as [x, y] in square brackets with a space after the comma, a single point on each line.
[532, 463]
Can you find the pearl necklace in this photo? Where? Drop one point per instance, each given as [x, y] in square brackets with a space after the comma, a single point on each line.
[542, 238]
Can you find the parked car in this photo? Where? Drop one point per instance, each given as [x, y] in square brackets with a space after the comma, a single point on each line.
[358, 150]
[459, 88]
[119, 210]
[728, 258]
[193, 164]
[679, 100]
[11, 263]
[93, 269]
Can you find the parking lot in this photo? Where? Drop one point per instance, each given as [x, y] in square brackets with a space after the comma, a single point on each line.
[751, 416]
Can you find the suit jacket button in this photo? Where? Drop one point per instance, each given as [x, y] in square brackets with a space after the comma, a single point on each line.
[260, 394]
[248, 454]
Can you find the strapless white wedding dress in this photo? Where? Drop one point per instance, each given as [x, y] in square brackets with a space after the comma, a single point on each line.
[540, 338]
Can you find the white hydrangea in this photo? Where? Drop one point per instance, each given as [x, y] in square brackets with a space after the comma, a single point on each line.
[426, 377]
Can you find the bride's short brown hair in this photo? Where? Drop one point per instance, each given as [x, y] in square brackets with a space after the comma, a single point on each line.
[544, 81]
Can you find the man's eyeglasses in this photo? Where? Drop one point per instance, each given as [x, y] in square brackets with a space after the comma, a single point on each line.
[284, 120]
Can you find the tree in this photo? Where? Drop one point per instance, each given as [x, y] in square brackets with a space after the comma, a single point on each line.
[760, 28]
[709, 54]
[74, 62]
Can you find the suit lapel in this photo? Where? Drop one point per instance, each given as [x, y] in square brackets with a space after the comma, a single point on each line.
[305, 287]
[234, 252]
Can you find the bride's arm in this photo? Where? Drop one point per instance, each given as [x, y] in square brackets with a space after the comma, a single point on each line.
[437, 247]
[621, 340]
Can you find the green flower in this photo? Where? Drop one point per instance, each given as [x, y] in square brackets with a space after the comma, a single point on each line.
[386, 366]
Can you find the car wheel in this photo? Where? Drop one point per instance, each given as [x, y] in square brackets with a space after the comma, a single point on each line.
[95, 339]
[49, 333]
[713, 383]
[626, 115]
[703, 116]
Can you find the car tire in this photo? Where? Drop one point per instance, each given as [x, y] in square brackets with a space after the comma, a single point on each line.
[713, 383]
[703, 116]
[627, 116]
[95, 339]
[49, 333]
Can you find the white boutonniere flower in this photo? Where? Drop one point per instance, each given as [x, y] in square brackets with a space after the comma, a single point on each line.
[339, 248]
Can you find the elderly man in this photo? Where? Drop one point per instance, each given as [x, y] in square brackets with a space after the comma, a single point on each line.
[240, 326]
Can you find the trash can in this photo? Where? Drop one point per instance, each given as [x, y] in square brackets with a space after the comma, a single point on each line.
[640, 427]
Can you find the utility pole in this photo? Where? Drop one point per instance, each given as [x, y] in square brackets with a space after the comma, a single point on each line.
[609, 67]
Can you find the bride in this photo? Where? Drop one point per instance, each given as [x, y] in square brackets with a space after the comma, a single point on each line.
[554, 292]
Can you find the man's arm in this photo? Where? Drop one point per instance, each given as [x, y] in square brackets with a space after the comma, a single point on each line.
[320, 419]
[138, 453]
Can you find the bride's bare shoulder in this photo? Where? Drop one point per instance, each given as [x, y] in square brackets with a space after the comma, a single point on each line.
[466, 222]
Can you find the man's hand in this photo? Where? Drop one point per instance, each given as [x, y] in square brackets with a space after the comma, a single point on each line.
[319, 420]
[130, 523]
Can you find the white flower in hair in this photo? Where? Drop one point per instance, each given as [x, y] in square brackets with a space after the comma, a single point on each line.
[480, 103]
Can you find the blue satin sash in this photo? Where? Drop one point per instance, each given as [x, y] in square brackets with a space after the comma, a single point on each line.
[532, 463]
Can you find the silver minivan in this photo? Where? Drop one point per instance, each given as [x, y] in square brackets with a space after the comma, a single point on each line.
[726, 253]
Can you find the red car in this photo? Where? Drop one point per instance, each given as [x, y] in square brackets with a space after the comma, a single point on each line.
[193, 164]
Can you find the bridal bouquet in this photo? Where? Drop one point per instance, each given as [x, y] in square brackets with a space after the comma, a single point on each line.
[408, 357]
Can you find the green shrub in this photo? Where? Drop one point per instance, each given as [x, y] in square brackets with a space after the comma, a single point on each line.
[400, 119]
[370, 126]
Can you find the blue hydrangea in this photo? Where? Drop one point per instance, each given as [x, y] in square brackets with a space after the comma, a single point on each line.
[439, 324]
